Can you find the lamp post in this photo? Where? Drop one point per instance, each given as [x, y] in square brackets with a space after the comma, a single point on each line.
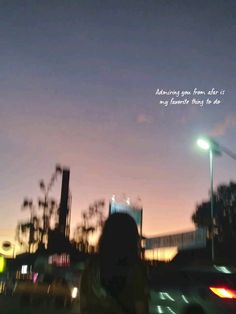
[213, 148]
[212, 207]
[216, 149]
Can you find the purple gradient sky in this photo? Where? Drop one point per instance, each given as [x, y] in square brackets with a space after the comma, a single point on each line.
[78, 82]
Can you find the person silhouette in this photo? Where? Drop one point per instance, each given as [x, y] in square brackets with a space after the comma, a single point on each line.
[114, 281]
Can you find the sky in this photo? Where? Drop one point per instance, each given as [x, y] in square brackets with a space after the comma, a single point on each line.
[78, 87]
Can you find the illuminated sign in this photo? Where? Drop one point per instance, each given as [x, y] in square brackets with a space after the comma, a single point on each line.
[60, 260]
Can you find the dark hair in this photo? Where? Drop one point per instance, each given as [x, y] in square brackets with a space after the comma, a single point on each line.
[118, 251]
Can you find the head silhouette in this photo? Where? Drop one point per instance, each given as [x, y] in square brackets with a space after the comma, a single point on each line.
[118, 251]
[119, 241]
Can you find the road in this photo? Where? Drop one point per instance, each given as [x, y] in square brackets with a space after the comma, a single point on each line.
[11, 305]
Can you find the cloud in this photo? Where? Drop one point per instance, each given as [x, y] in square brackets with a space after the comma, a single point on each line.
[221, 128]
[143, 119]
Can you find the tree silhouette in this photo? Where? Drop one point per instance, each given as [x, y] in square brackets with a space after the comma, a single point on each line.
[49, 205]
[28, 232]
[224, 213]
[35, 230]
[92, 220]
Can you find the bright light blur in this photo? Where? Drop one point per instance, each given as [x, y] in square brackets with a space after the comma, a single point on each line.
[161, 254]
[2, 287]
[184, 298]
[159, 309]
[35, 277]
[2, 264]
[74, 292]
[224, 292]
[24, 269]
[222, 269]
[204, 144]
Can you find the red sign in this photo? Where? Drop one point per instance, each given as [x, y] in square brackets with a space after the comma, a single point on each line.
[60, 260]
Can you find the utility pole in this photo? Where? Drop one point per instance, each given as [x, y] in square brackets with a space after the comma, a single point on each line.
[64, 208]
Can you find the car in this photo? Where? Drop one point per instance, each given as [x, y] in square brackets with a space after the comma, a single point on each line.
[58, 292]
[210, 290]
[29, 292]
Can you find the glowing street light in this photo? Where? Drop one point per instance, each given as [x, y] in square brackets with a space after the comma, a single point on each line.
[203, 143]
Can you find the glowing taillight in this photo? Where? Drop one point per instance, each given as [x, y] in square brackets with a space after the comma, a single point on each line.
[224, 293]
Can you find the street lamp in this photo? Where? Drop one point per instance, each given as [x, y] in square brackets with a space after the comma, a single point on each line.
[213, 148]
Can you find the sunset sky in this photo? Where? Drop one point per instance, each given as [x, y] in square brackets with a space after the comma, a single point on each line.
[77, 87]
